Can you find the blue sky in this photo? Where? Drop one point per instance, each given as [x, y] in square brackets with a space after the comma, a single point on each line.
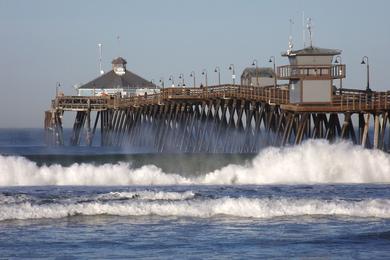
[44, 42]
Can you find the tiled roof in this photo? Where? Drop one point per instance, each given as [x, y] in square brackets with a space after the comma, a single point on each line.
[111, 80]
[259, 72]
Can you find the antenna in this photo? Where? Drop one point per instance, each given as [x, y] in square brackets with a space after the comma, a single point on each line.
[303, 29]
[118, 38]
[290, 42]
[309, 27]
[100, 59]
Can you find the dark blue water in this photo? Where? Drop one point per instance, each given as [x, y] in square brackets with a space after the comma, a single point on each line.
[315, 201]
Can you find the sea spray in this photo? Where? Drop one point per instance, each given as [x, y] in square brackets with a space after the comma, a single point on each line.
[314, 162]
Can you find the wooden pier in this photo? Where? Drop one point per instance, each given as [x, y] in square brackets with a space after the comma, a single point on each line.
[223, 118]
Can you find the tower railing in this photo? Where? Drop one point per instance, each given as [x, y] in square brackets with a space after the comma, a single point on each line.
[311, 72]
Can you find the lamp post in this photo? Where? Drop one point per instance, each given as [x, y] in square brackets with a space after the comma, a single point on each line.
[153, 82]
[162, 82]
[204, 72]
[58, 85]
[365, 61]
[181, 76]
[217, 69]
[172, 80]
[254, 63]
[272, 59]
[193, 76]
[339, 61]
[231, 67]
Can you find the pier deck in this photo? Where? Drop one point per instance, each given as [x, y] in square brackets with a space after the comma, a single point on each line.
[348, 101]
[224, 118]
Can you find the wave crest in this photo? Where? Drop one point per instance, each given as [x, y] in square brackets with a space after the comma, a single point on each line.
[314, 162]
[225, 206]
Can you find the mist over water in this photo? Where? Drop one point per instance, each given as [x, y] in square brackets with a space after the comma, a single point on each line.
[314, 162]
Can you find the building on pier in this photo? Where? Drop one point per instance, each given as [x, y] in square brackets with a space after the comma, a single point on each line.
[231, 118]
[118, 81]
[259, 77]
[311, 74]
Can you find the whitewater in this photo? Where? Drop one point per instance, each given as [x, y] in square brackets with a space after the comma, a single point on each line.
[312, 200]
[314, 162]
[184, 204]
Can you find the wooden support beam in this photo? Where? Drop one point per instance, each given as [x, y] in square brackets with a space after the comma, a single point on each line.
[365, 137]
[376, 131]
[385, 116]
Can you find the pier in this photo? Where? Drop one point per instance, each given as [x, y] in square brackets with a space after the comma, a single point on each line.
[224, 118]
[230, 118]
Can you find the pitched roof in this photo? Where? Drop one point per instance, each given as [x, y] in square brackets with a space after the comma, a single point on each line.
[119, 60]
[258, 72]
[312, 51]
[111, 80]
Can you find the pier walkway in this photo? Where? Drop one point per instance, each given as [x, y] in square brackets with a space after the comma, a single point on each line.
[223, 118]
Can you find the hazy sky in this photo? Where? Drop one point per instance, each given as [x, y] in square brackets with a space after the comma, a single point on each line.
[44, 42]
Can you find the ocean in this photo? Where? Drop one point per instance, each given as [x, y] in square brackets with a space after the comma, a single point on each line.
[313, 201]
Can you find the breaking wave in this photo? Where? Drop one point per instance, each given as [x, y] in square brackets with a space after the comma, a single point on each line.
[186, 205]
[314, 162]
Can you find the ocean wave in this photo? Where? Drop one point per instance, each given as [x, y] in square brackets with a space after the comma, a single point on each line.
[203, 208]
[314, 162]
[147, 195]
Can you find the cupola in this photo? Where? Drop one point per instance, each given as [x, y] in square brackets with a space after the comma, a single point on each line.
[119, 66]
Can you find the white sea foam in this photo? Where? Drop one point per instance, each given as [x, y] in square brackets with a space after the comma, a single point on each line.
[310, 163]
[226, 206]
[148, 195]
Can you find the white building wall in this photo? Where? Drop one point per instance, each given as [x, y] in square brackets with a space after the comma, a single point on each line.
[314, 60]
[263, 81]
[316, 91]
[123, 92]
[295, 91]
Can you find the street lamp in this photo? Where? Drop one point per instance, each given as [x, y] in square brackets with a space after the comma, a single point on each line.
[217, 69]
[254, 63]
[204, 72]
[272, 59]
[193, 76]
[172, 80]
[58, 85]
[162, 82]
[154, 83]
[181, 76]
[231, 67]
[339, 61]
[365, 61]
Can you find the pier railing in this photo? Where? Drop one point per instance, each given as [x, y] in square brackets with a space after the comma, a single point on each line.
[347, 100]
[79, 102]
[362, 100]
[268, 94]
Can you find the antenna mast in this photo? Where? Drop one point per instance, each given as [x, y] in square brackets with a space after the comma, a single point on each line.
[100, 59]
[303, 30]
[290, 42]
[309, 27]
[118, 38]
